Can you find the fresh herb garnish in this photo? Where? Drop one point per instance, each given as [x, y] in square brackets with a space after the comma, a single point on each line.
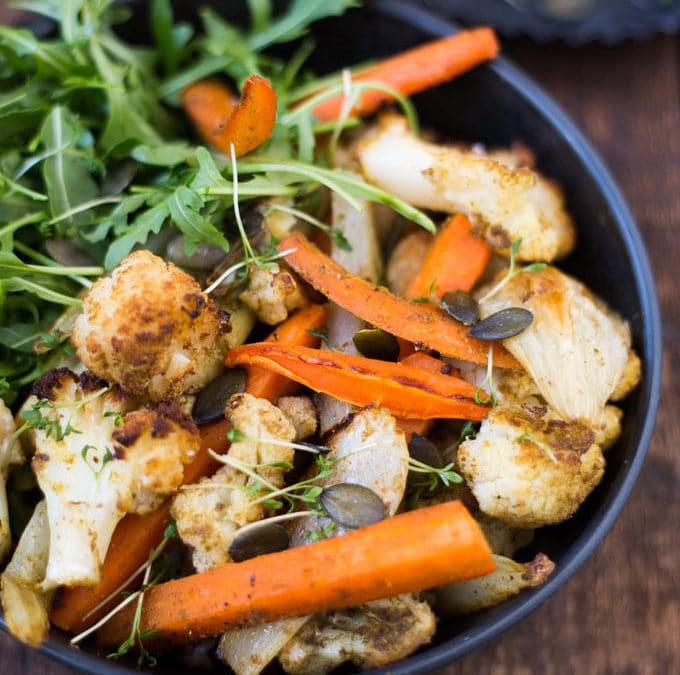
[512, 271]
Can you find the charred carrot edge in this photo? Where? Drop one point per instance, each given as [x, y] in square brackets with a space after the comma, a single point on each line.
[135, 536]
[381, 560]
[420, 360]
[417, 69]
[415, 322]
[455, 261]
[222, 119]
[407, 391]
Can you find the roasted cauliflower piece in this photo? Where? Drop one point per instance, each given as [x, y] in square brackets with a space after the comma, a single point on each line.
[95, 461]
[381, 467]
[370, 636]
[505, 203]
[575, 350]
[609, 430]
[507, 580]
[149, 328]
[10, 453]
[374, 454]
[209, 513]
[300, 410]
[272, 293]
[24, 602]
[630, 377]
[529, 468]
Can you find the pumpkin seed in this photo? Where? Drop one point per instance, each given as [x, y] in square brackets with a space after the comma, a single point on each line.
[259, 540]
[376, 343]
[210, 402]
[352, 505]
[461, 306]
[501, 325]
[425, 451]
[205, 257]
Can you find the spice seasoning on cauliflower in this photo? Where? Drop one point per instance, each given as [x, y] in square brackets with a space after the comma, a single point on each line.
[209, 514]
[529, 468]
[95, 461]
[149, 328]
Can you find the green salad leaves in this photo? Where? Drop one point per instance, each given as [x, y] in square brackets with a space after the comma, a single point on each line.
[95, 158]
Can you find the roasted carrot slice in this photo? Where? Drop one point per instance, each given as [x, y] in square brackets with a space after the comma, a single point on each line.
[135, 536]
[407, 391]
[378, 561]
[455, 261]
[415, 322]
[417, 69]
[221, 119]
[420, 360]
[298, 330]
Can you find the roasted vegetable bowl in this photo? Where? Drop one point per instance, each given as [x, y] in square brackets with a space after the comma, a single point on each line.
[260, 320]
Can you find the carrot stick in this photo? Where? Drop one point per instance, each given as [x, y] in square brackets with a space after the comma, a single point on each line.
[455, 261]
[407, 391]
[420, 360]
[378, 561]
[135, 536]
[417, 69]
[222, 119]
[415, 322]
[294, 331]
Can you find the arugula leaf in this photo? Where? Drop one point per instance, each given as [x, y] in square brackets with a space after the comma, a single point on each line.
[293, 23]
[169, 37]
[184, 206]
[137, 233]
[66, 175]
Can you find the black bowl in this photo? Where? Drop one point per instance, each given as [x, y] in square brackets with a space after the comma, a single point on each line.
[502, 105]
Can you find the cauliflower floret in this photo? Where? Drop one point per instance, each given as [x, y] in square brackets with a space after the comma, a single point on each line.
[10, 453]
[24, 603]
[529, 468]
[575, 350]
[373, 453]
[300, 410]
[209, 513]
[272, 294]
[370, 635]
[505, 203]
[381, 467]
[149, 328]
[95, 463]
[608, 432]
[629, 379]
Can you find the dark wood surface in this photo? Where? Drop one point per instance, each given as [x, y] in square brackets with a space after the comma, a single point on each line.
[621, 613]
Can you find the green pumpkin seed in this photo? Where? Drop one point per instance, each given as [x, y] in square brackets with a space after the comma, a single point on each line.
[259, 540]
[425, 451]
[210, 402]
[503, 324]
[461, 306]
[352, 505]
[376, 343]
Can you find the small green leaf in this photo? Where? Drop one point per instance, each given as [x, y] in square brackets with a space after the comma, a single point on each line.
[66, 174]
[148, 222]
[184, 206]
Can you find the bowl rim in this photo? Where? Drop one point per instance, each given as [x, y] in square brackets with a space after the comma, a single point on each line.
[651, 338]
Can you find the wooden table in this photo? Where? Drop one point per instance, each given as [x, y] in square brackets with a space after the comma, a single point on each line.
[621, 613]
